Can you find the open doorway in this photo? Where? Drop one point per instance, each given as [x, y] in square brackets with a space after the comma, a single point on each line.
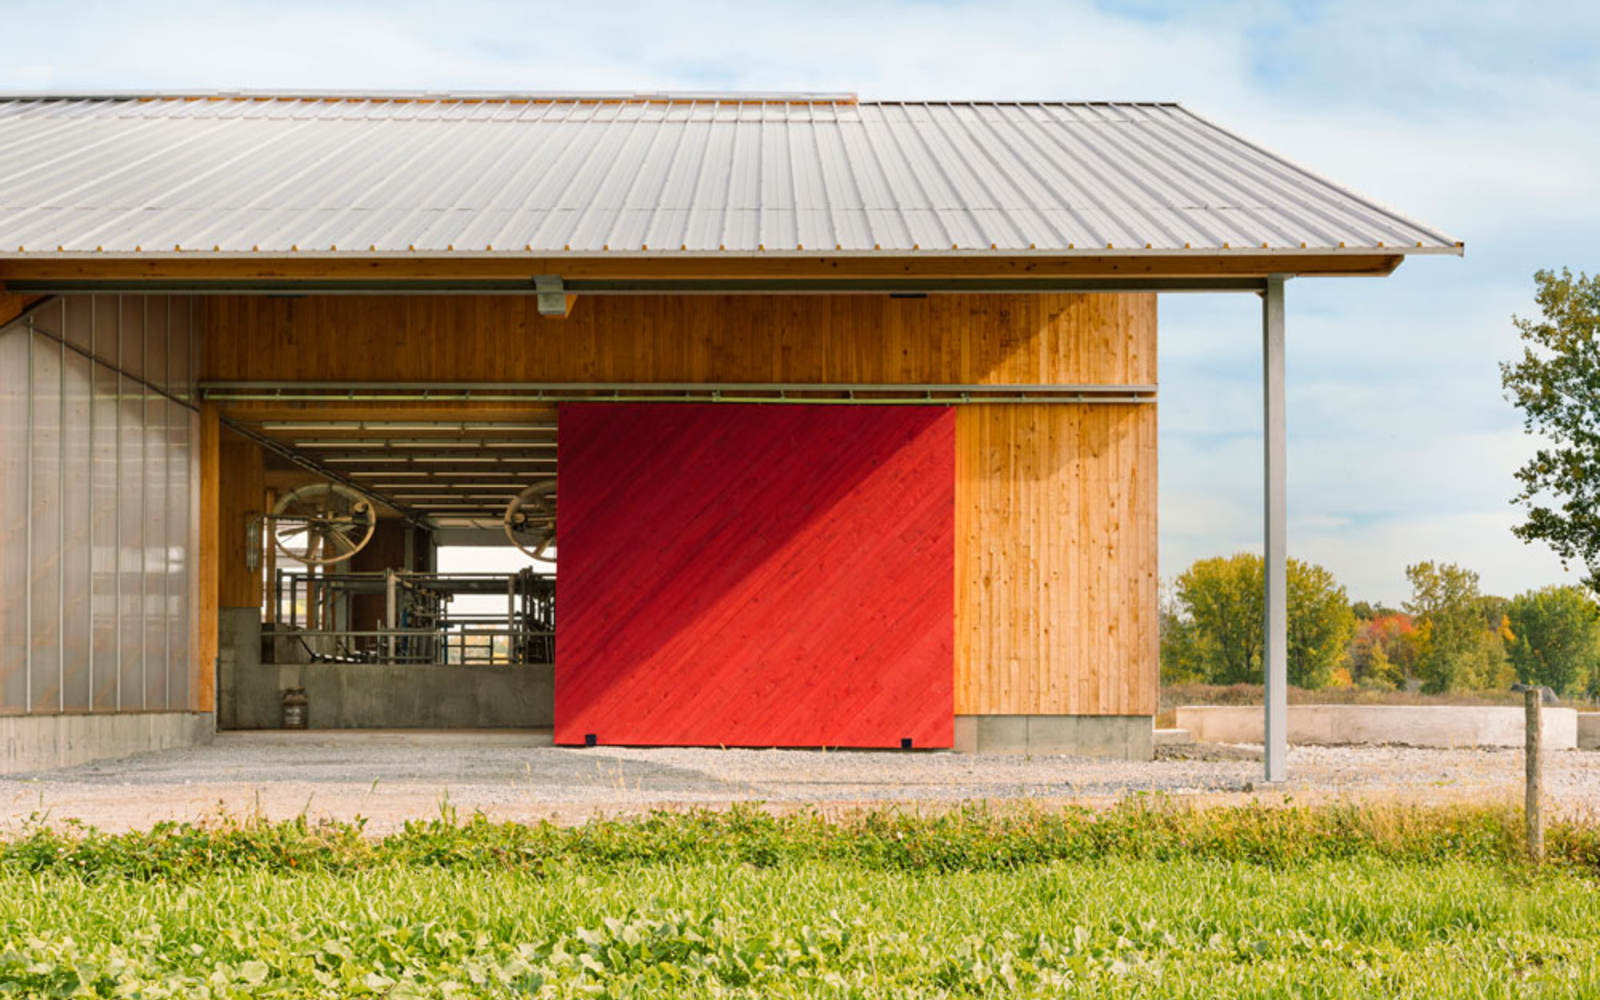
[397, 560]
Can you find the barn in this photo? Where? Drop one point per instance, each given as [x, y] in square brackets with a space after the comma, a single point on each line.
[852, 407]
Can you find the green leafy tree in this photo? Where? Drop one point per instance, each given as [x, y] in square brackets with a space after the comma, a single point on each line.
[1553, 638]
[1180, 659]
[1219, 603]
[1221, 599]
[1366, 611]
[1460, 632]
[1320, 624]
[1494, 669]
[1556, 384]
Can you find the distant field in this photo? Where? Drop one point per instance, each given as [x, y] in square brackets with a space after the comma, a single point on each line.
[1140, 901]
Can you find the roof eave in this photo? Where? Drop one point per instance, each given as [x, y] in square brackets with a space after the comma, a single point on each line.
[773, 272]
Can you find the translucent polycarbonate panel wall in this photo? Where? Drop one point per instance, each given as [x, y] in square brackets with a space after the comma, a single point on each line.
[98, 506]
[14, 499]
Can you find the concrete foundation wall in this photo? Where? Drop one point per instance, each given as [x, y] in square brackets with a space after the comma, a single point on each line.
[371, 695]
[41, 742]
[1411, 725]
[247, 690]
[412, 696]
[1130, 737]
[1589, 730]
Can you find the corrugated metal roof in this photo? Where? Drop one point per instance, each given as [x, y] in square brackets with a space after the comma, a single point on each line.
[599, 175]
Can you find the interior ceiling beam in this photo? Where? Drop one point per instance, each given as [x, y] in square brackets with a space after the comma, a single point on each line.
[311, 465]
[412, 474]
[421, 443]
[331, 410]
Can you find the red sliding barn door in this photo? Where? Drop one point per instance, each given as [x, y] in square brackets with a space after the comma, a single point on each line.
[774, 575]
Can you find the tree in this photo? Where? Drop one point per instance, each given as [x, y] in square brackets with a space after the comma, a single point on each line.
[1366, 611]
[1556, 384]
[1383, 654]
[1180, 660]
[1219, 603]
[1459, 631]
[1320, 624]
[1553, 638]
[1221, 599]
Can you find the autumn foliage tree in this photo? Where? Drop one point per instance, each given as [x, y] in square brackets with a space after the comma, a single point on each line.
[1383, 654]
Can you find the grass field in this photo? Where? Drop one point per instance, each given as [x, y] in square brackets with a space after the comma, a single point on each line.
[1142, 901]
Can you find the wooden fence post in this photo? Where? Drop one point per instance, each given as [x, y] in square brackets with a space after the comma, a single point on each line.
[1533, 810]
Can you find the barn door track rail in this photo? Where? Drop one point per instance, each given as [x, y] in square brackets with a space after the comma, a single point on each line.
[904, 394]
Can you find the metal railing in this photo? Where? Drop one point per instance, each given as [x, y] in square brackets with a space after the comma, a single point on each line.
[464, 646]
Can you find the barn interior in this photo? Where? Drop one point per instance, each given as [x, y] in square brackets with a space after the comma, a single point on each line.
[344, 505]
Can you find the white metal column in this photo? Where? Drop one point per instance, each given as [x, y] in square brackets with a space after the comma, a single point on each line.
[1274, 647]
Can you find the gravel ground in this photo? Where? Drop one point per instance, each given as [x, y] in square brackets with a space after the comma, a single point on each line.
[389, 778]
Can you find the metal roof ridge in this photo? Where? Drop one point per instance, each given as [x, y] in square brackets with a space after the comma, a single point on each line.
[552, 96]
[486, 96]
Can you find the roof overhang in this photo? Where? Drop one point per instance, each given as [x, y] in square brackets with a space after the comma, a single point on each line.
[641, 273]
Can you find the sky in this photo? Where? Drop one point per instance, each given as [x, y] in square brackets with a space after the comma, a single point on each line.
[1478, 119]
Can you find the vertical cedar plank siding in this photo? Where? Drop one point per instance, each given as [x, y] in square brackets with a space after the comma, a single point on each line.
[240, 496]
[691, 338]
[1055, 505]
[1056, 560]
[210, 558]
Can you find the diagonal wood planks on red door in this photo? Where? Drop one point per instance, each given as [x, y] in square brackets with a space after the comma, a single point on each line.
[755, 575]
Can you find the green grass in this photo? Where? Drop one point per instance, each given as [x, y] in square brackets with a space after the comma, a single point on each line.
[1141, 901]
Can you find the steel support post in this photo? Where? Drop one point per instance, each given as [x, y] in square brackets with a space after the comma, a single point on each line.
[389, 613]
[1274, 647]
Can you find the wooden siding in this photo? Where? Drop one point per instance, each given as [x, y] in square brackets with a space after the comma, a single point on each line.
[241, 493]
[755, 575]
[799, 338]
[12, 306]
[1056, 573]
[205, 621]
[1055, 505]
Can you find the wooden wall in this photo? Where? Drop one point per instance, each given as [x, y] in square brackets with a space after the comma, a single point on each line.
[692, 338]
[204, 620]
[1056, 575]
[1056, 578]
[241, 493]
[12, 306]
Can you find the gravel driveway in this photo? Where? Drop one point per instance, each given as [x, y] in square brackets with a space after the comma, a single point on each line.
[391, 777]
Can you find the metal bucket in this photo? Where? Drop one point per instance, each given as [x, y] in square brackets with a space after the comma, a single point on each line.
[294, 708]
